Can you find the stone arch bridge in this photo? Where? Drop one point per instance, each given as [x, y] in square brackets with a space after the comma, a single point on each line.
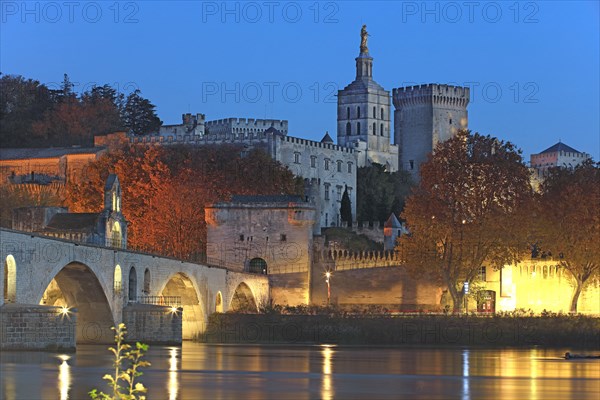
[106, 285]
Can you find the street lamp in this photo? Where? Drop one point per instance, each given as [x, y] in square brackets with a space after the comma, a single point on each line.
[328, 280]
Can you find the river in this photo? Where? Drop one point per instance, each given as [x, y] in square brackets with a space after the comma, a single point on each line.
[209, 371]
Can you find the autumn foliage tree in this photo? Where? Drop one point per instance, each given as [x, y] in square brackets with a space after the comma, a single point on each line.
[165, 189]
[467, 212]
[569, 223]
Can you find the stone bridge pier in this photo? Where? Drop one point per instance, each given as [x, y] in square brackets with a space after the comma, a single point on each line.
[83, 290]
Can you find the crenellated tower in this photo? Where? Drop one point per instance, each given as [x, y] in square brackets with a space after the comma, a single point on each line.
[425, 115]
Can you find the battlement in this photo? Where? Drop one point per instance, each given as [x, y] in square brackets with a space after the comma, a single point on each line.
[249, 121]
[345, 259]
[431, 93]
[321, 145]
[247, 138]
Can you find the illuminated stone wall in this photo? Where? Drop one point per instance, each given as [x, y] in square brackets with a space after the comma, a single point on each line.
[539, 285]
[389, 287]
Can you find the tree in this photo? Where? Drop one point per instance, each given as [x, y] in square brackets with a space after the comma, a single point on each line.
[569, 222]
[139, 115]
[22, 102]
[165, 190]
[346, 208]
[468, 211]
[380, 193]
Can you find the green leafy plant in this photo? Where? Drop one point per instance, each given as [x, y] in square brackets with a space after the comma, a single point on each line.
[127, 364]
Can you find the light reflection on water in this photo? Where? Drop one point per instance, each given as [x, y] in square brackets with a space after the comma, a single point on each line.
[306, 372]
[64, 377]
[173, 373]
[466, 395]
[327, 391]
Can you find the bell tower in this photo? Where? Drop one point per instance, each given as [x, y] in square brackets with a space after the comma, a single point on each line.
[363, 115]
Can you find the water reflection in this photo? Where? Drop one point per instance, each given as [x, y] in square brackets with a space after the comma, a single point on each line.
[326, 390]
[466, 395]
[304, 372]
[64, 377]
[173, 387]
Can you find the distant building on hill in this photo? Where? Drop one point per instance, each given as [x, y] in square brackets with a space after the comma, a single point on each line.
[559, 155]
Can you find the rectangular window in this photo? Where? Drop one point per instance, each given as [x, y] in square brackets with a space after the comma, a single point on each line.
[283, 237]
[339, 192]
[241, 238]
[349, 167]
[339, 166]
[327, 185]
[313, 161]
[482, 274]
[297, 158]
[327, 164]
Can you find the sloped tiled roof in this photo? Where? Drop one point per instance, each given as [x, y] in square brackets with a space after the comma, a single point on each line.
[327, 138]
[392, 222]
[77, 222]
[111, 181]
[560, 146]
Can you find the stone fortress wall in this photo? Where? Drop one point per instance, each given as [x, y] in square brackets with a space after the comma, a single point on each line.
[327, 168]
[245, 126]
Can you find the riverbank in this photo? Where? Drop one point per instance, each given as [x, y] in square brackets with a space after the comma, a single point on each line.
[439, 330]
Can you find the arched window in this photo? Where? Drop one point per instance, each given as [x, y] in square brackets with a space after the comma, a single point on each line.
[348, 129]
[10, 279]
[358, 128]
[374, 128]
[374, 112]
[115, 235]
[117, 279]
[132, 285]
[348, 112]
[257, 266]
[381, 130]
[358, 112]
[147, 282]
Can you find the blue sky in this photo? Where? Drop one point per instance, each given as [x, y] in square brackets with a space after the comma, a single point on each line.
[533, 67]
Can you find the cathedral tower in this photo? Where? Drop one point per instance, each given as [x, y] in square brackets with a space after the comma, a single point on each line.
[363, 115]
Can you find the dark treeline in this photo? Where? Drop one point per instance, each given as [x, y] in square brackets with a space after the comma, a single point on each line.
[35, 115]
[380, 193]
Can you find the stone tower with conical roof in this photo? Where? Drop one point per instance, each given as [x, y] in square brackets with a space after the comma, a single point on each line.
[363, 115]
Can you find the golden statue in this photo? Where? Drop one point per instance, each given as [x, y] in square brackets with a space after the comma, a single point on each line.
[363, 39]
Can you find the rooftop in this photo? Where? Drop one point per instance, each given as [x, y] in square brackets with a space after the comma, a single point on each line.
[560, 146]
[79, 222]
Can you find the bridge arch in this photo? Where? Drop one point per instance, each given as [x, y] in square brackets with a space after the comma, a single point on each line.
[76, 285]
[182, 286]
[10, 279]
[243, 299]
